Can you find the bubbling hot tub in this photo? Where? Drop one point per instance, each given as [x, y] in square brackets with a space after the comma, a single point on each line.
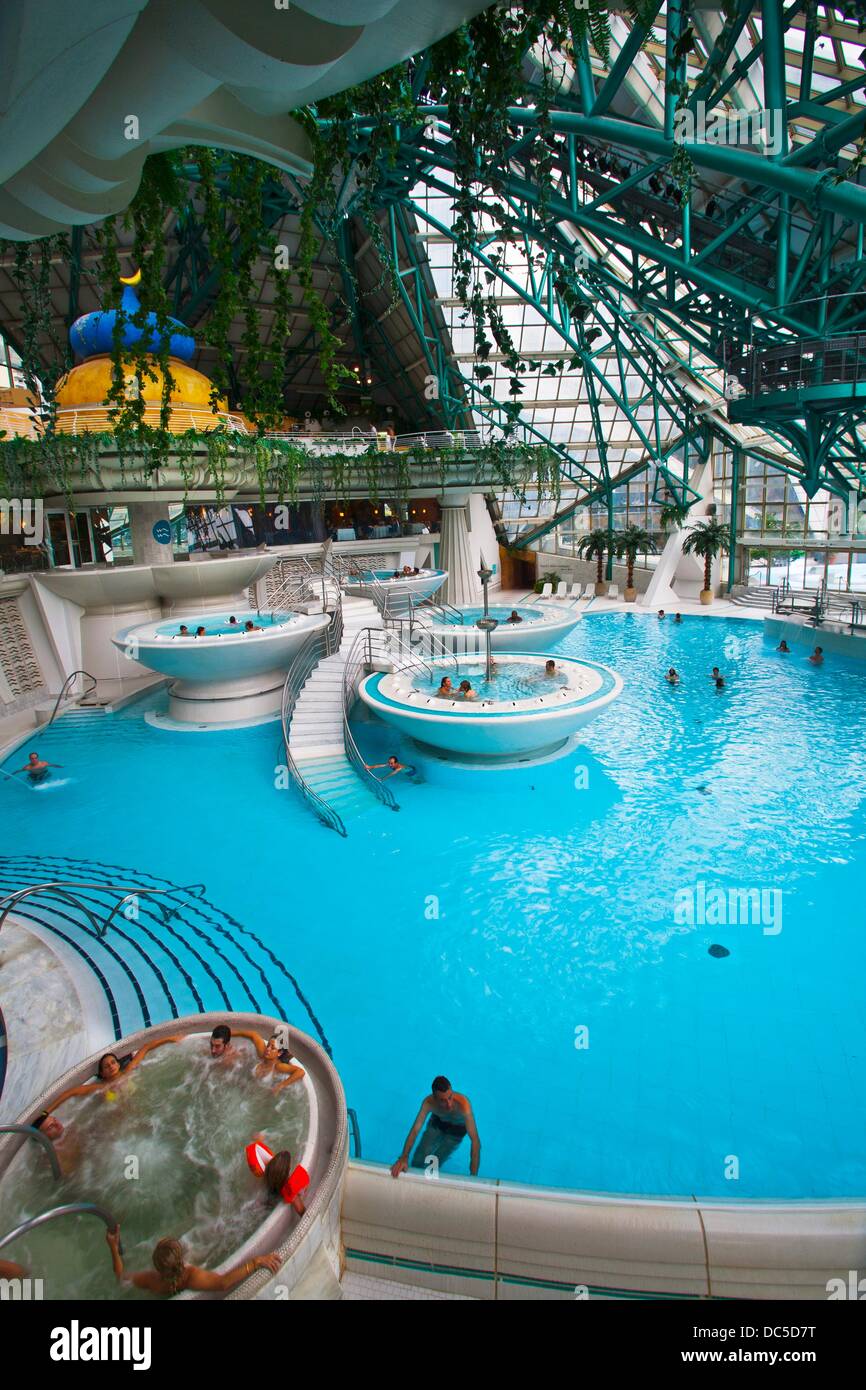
[166, 1157]
[522, 713]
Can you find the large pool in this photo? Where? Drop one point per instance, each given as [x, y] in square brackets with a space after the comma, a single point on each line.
[503, 920]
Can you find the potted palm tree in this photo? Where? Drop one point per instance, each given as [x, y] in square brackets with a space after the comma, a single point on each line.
[593, 546]
[706, 540]
[630, 543]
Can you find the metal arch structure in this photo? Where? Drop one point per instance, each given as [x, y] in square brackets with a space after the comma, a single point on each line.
[766, 246]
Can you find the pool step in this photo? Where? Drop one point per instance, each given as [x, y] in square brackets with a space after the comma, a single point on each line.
[316, 729]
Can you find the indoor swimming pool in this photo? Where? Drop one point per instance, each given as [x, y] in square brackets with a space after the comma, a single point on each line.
[542, 935]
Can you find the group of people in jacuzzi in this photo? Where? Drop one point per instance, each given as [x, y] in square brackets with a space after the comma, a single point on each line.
[464, 690]
[282, 1178]
[201, 631]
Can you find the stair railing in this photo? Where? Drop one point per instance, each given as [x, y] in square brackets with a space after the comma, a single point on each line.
[360, 660]
[63, 891]
[70, 679]
[68, 1209]
[31, 1132]
[317, 646]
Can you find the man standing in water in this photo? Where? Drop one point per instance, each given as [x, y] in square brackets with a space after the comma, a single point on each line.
[37, 769]
[449, 1119]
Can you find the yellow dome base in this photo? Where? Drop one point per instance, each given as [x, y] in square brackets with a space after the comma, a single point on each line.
[83, 393]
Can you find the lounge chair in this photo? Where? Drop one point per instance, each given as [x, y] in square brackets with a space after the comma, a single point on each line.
[561, 589]
[613, 591]
[574, 591]
[589, 591]
[545, 592]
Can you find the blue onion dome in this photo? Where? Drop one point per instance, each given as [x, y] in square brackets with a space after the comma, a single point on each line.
[92, 335]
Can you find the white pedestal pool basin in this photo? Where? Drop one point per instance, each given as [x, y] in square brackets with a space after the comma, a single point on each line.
[228, 675]
[539, 626]
[508, 720]
[399, 591]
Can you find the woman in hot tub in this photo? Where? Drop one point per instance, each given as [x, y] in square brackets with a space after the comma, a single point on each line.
[112, 1071]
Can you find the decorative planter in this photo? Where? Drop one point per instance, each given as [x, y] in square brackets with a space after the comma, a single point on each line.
[601, 589]
[629, 595]
[706, 596]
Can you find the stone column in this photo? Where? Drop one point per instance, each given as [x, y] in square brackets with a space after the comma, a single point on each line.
[455, 555]
[146, 549]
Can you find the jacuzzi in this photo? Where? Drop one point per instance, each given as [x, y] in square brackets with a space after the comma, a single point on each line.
[399, 592]
[494, 727]
[540, 626]
[73, 1247]
[227, 676]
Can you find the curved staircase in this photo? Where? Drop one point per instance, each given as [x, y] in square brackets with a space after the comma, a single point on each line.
[316, 730]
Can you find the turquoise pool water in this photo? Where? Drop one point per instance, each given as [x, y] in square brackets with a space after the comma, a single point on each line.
[513, 680]
[218, 625]
[471, 615]
[498, 914]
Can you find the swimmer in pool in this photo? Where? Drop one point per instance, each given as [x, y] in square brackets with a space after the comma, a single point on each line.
[112, 1072]
[394, 766]
[515, 617]
[661, 614]
[172, 1275]
[672, 676]
[37, 769]
[233, 622]
[446, 690]
[720, 682]
[466, 692]
[449, 1119]
[715, 673]
[817, 657]
[783, 647]
[183, 631]
[550, 668]
[678, 617]
[250, 626]
[274, 1059]
[201, 632]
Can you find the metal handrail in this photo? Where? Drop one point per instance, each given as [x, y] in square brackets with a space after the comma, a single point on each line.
[317, 646]
[31, 1132]
[68, 1209]
[69, 679]
[351, 671]
[60, 889]
[356, 1129]
[293, 589]
[346, 565]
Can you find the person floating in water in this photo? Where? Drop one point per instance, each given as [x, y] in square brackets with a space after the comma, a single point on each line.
[37, 769]
[394, 766]
[817, 657]
[672, 676]
[113, 1070]
[783, 647]
[661, 614]
[678, 617]
[201, 632]
[233, 622]
[273, 1058]
[172, 1275]
[715, 674]
[64, 1142]
[449, 1119]
[250, 626]
[183, 631]
[466, 692]
[550, 668]
[720, 682]
[446, 690]
[515, 617]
